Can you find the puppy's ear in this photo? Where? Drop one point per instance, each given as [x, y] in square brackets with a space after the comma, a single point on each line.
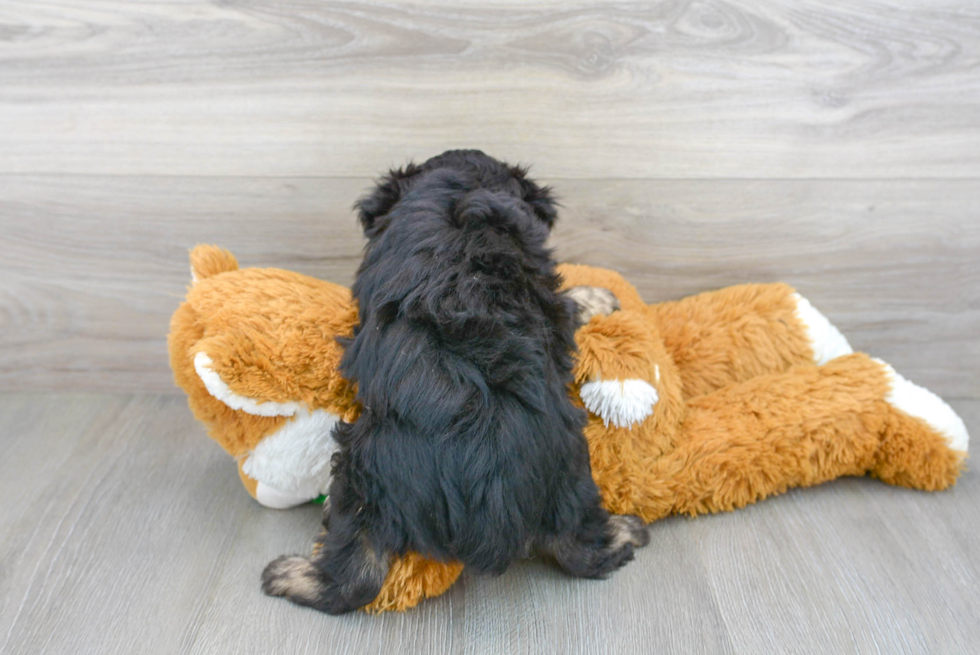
[373, 207]
[540, 198]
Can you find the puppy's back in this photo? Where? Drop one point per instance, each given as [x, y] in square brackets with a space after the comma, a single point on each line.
[462, 360]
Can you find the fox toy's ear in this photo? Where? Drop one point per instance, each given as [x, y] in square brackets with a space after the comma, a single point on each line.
[375, 205]
[232, 378]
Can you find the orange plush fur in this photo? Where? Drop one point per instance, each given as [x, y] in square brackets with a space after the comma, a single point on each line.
[740, 410]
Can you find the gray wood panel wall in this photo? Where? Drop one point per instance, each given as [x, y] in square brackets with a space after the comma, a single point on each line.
[833, 145]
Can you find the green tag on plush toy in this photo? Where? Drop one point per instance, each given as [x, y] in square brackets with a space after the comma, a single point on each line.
[319, 499]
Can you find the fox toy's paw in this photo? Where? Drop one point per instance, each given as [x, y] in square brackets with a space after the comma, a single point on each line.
[620, 402]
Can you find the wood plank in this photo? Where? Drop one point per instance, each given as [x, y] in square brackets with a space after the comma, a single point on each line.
[685, 89]
[40, 438]
[92, 267]
[132, 532]
[104, 552]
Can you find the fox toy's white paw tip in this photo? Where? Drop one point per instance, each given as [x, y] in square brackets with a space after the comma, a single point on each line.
[620, 402]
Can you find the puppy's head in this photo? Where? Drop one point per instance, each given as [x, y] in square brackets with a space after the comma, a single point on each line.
[475, 186]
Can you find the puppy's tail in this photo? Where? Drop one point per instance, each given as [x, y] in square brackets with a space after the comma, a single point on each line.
[210, 260]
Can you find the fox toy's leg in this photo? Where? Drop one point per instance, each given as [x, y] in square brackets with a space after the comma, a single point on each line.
[811, 424]
[732, 335]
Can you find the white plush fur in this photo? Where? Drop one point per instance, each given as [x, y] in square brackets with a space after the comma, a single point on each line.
[275, 499]
[620, 402]
[292, 465]
[295, 460]
[217, 388]
[920, 402]
[826, 340]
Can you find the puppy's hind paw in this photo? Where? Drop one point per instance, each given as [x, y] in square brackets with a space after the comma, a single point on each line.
[627, 533]
[300, 581]
[609, 560]
[294, 577]
[628, 530]
[597, 554]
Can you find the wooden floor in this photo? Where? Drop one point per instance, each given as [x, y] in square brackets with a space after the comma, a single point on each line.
[126, 531]
[831, 144]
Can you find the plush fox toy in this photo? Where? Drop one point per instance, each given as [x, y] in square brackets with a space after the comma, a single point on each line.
[256, 351]
[701, 405]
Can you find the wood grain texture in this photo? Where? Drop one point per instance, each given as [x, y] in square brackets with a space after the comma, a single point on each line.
[92, 267]
[131, 533]
[668, 89]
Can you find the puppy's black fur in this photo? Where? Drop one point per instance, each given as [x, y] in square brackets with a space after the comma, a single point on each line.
[468, 446]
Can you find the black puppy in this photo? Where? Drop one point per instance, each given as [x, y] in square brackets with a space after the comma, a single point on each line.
[468, 446]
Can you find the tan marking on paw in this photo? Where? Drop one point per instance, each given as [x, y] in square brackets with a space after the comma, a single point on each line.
[627, 530]
[294, 577]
